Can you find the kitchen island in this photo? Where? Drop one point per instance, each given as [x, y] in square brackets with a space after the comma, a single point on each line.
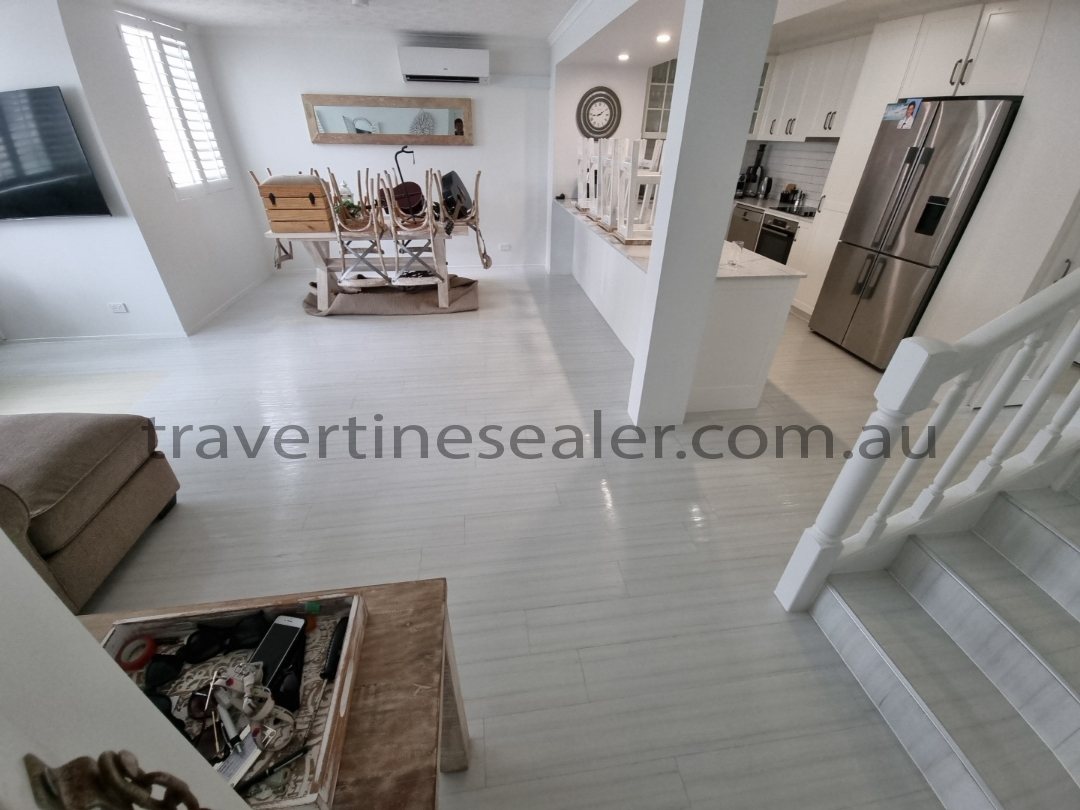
[749, 306]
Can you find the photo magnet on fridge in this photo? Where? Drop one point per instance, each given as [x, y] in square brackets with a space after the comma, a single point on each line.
[903, 112]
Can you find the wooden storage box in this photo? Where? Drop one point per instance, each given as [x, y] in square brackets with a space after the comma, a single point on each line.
[296, 203]
[320, 767]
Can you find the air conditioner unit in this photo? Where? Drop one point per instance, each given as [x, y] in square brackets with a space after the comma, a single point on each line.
[461, 65]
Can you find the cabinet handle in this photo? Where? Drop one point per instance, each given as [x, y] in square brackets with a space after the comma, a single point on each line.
[772, 126]
[831, 116]
[952, 76]
[825, 123]
[792, 130]
[963, 73]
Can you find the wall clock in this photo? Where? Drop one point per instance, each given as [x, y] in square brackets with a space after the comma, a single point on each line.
[598, 113]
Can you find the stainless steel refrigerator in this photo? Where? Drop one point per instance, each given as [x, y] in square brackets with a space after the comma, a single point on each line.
[918, 191]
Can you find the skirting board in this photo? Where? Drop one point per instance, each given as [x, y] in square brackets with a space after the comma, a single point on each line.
[724, 398]
[64, 338]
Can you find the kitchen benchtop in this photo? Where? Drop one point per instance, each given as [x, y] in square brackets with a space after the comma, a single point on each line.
[767, 207]
[751, 265]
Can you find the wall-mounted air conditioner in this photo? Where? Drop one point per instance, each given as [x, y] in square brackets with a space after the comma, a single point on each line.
[461, 65]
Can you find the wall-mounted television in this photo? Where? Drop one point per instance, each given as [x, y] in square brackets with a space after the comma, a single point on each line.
[43, 169]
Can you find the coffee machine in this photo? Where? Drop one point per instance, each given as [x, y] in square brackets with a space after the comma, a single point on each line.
[755, 174]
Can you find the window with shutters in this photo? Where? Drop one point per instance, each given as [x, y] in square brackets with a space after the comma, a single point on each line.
[174, 101]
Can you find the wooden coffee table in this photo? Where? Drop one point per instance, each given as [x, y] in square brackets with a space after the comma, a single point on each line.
[407, 719]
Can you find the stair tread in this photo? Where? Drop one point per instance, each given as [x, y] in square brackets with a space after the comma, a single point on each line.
[1015, 764]
[1047, 627]
[1058, 511]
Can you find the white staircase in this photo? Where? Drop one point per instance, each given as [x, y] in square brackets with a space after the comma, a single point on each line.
[973, 664]
[960, 614]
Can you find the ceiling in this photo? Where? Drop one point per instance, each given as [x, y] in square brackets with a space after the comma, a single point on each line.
[634, 33]
[528, 19]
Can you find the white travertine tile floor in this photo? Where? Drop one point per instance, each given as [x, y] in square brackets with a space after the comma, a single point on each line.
[618, 639]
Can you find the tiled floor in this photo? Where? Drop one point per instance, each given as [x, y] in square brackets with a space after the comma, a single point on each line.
[619, 643]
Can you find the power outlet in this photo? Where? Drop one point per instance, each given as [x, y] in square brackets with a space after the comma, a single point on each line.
[504, 246]
[119, 308]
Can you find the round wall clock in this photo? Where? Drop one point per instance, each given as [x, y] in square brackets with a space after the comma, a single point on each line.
[598, 113]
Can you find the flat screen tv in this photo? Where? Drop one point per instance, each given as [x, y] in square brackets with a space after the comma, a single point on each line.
[43, 169]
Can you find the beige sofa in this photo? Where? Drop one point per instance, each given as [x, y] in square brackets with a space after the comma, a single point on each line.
[77, 490]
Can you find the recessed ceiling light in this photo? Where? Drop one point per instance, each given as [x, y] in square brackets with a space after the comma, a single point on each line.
[664, 38]
[623, 57]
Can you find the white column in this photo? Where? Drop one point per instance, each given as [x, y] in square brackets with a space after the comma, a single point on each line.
[721, 51]
[63, 697]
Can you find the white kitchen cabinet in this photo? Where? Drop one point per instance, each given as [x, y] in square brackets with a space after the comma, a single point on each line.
[823, 98]
[807, 67]
[853, 70]
[810, 90]
[758, 116]
[976, 50]
[940, 51]
[1004, 49]
[773, 121]
[800, 248]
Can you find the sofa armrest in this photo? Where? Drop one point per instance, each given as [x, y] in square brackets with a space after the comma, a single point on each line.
[15, 522]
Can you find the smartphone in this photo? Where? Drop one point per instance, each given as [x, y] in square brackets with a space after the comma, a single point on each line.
[275, 648]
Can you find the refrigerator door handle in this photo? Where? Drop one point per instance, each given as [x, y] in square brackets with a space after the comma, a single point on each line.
[908, 198]
[864, 273]
[872, 288]
[895, 196]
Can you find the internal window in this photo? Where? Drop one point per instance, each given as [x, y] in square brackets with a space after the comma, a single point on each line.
[171, 93]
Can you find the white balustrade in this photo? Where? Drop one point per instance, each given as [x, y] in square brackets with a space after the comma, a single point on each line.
[920, 367]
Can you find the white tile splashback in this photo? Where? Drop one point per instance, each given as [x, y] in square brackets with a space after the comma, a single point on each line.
[804, 164]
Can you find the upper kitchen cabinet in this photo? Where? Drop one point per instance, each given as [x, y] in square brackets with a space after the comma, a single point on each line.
[1004, 49]
[773, 122]
[996, 42]
[759, 101]
[809, 91]
[831, 98]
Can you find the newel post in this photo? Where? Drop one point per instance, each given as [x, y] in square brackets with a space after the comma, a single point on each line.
[917, 370]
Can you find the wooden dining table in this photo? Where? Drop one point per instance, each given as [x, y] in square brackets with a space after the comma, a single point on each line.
[406, 721]
[320, 247]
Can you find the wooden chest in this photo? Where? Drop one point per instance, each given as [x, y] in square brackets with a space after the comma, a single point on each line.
[296, 203]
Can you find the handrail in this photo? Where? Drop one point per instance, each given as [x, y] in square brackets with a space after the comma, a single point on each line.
[918, 370]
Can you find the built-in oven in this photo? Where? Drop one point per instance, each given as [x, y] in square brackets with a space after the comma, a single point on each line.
[775, 238]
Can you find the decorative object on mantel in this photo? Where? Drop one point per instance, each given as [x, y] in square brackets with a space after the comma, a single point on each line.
[113, 781]
[386, 120]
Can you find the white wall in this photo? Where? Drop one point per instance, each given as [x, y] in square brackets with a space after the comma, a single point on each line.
[260, 76]
[1028, 199]
[571, 83]
[209, 250]
[57, 275]
[63, 697]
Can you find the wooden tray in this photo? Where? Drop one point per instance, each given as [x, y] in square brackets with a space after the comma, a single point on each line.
[326, 746]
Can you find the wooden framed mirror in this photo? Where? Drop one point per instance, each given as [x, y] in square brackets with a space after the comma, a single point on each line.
[389, 120]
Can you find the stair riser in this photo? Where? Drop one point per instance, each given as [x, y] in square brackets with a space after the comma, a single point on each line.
[1022, 677]
[948, 773]
[1052, 562]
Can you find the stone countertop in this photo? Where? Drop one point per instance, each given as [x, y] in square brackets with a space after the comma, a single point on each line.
[767, 207]
[752, 265]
